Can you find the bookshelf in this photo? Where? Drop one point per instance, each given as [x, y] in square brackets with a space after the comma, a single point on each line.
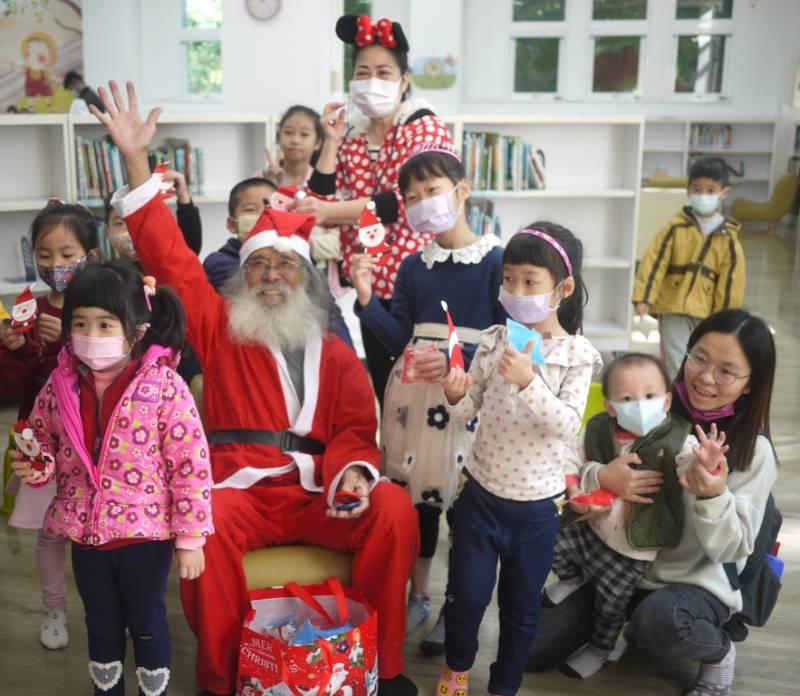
[674, 143]
[43, 148]
[593, 170]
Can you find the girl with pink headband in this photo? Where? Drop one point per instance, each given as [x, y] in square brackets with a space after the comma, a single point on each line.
[512, 492]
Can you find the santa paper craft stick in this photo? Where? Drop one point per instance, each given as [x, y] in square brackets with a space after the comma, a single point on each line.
[454, 347]
[599, 499]
[372, 234]
[282, 196]
[28, 446]
[24, 312]
[165, 188]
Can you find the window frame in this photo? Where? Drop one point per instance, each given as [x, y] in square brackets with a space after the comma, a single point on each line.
[695, 27]
[556, 29]
[618, 28]
[187, 35]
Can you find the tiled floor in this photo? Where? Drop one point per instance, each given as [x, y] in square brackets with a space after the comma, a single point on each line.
[768, 663]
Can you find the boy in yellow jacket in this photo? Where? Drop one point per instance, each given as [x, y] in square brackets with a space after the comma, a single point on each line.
[695, 265]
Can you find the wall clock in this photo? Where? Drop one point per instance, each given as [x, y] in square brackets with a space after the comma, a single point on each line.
[262, 10]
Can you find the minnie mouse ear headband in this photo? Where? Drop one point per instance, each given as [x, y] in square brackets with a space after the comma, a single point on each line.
[360, 31]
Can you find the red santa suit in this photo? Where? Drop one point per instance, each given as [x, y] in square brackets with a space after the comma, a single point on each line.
[264, 496]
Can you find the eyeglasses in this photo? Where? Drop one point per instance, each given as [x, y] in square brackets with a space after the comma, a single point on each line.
[261, 268]
[698, 364]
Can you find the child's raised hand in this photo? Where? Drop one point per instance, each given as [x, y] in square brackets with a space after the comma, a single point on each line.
[710, 453]
[361, 275]
[456, 385]
[191, 563]
[274, 171]
[517, 368]
[178, 180]
[49, 328]
[130, 134]
[10, 338]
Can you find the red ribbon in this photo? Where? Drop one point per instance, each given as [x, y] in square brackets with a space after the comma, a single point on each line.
[368, 33]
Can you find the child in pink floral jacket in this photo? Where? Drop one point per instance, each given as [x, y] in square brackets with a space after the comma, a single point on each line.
[131, 465]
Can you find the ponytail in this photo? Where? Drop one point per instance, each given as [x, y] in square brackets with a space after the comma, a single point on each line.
[167, 321]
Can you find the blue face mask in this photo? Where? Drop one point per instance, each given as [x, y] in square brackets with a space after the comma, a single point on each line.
[640, 417]
[705, 204]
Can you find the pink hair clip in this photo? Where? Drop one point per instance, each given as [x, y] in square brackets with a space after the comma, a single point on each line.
[553, 243]
[149, 291]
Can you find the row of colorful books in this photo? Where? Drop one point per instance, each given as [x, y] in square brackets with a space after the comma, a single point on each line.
[496, 162]
[101, 168]
[703, 135]
[482, 219]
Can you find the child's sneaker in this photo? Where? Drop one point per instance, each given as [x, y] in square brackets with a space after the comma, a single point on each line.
[54, 634]
[419, 609]
[715, 679]
[584, 662]
[452, 683]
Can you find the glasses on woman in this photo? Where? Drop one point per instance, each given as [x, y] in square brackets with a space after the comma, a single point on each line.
[724, 376]
[260, 268]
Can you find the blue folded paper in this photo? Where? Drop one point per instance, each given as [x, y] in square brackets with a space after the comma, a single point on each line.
[520, 335]
[309, 633]
[776, 564]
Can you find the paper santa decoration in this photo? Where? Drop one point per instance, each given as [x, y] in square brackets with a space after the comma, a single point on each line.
[600, 499]
[41, 461]
[24, 312]
[454, 347]
[165, 188]
[282, 197]
[372, 234]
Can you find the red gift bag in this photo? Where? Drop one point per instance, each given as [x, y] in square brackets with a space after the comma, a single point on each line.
[343, 665]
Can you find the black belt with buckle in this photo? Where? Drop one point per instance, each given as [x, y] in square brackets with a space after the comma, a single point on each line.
[285, 441]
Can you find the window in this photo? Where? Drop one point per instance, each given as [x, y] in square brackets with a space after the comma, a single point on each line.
[700, 64]
[356, 7]
[536, 65]
[538, 10]
[619, 9]
[202, 45]
[704, 9]
[616, 64]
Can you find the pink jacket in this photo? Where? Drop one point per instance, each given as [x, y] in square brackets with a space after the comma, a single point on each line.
[152, 479]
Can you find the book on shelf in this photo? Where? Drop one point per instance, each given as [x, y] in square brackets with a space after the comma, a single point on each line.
[496, 162]
[711, 136]
[482, 219]
[101, 168]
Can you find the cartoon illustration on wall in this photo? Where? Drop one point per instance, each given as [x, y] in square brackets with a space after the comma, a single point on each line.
[40, 42]
[434, 72]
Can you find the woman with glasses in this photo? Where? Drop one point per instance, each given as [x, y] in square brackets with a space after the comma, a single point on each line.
[686, 598]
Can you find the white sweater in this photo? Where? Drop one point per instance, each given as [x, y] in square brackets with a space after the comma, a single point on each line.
[715, 531]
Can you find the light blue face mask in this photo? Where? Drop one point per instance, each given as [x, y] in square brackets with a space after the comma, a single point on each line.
[640, 417]
[704, 204]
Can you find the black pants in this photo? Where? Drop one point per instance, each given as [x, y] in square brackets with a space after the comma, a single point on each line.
[379, 361]
[126, 587]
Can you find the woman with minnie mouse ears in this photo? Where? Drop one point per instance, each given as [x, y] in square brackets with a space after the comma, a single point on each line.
[360, 161]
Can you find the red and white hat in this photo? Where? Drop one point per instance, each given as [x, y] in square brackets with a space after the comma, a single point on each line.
[279, 230]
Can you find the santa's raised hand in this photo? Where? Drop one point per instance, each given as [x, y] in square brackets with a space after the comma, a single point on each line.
[130, 134]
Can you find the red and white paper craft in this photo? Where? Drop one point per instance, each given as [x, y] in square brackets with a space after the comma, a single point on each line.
[28, 446]
[372, 234]
[599, 499]
[165, 188]
[283, 195]
[24, 312]
[454, 347]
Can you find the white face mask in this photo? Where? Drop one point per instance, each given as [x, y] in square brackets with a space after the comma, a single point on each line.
[704, 204]
[640, 417]
[375, 97]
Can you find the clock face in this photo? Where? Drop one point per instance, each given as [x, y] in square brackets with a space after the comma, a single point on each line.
[263, 9]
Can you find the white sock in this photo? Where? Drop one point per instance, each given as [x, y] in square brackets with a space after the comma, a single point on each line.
[585, 661]
[558, 591]
[53, 634]
[619, 648]
[716, 678]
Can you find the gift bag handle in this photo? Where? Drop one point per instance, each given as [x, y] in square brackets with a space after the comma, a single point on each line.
[337, 592]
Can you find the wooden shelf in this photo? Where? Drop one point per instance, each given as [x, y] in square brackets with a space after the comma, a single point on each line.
[729, 151]
[606, 262]
[559, 193]
[24, 204]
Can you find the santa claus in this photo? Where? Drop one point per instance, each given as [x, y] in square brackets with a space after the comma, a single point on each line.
[372, 234]
[282, 197]
[24, 311]
[289, 419]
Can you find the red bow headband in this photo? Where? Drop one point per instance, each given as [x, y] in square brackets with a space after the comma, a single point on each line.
[361, 31]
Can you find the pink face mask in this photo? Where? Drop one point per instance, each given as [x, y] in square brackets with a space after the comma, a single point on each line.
[527, 309]
[99, 353]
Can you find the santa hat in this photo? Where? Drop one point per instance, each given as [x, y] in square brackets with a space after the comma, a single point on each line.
[454, 347]
[25, 296]
[288, 191]
[368, 217]
[280, 230]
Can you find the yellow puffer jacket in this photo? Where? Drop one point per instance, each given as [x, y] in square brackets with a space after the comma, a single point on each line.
[687, 272]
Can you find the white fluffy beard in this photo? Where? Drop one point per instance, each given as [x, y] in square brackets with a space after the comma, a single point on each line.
[280, 327]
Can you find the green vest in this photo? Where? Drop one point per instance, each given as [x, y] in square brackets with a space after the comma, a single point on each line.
[660, 524]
